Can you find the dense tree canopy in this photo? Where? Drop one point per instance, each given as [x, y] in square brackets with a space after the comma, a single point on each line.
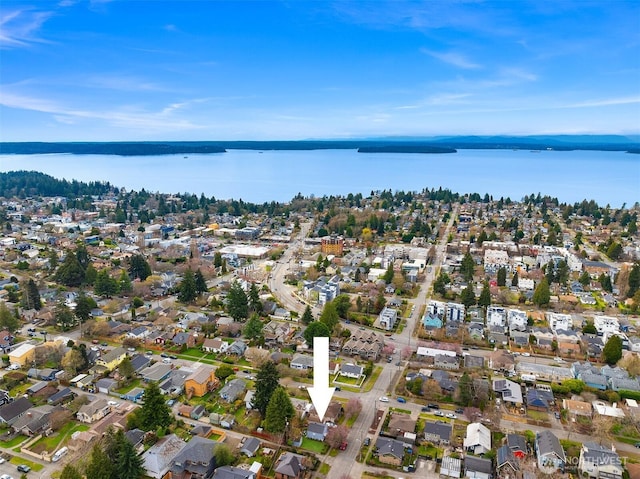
[612, 351]
[154, 412]
[266, 383]
[542, 293]
[315, 329]
[139, 267]
[237, 302]
[279, 411]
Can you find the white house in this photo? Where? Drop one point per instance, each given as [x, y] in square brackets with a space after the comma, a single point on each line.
[496, 316]
[388, 318]
[351, 370]
[215, 345]
[559, 321]
[478, 438]
[517, 320]
[455, 312]
[606, 324]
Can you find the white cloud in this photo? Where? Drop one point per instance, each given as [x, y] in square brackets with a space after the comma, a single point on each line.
[19, 28]
[452, 58]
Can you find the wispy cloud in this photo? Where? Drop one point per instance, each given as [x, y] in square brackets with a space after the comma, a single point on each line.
[123, 117]
[20, 28]
[605, 102]
[452, 58]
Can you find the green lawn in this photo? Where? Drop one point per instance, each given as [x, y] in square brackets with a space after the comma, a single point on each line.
[52, 442]
[314, 446]
[324, 469]
[33, 465]
[133, 384]
[13, 442]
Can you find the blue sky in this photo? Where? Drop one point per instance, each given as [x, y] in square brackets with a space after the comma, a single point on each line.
[125, 70]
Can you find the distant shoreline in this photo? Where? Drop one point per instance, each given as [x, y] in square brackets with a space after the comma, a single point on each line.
[448, 145]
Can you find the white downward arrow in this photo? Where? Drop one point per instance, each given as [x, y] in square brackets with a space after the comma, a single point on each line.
[321, 393]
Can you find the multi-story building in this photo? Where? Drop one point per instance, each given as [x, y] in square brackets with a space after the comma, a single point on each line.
[332, 245]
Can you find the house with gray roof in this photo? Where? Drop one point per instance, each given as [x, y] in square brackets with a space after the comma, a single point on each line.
[389, 451]
[232, 472]
[232, 390]
[139, 362]
[250, 446]
[438, 432]
[599, 462]
[317, 431]
[627, 384]
[237, 348]
[506, 463]
[158, 458]
[477, 467]
[549, 451]
[596, 381]
[351, 370]
[106, 385]
[195, 459]
[289, 466]
[302, 362]
[156, 372]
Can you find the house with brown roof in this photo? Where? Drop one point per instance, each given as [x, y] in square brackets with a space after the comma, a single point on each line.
[290, 466]
[334, 411]
[577, 408]
[94, 411]
[401, 423]
[214, 345]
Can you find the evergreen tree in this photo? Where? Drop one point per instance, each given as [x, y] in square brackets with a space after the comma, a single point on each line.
[584, 278]
[542, 293]
[388, 275]
[612, 351]
[201, 284]
[253, 328]
[64, 316]
[82, 255]
[70, 472]
[31, 296]
[217, 259]
[467, 267]
[154, 412]
[128, 464]
[467, 297]
[329, 316]
[634, 280]
[514, 280]
[70, 273]
[105, 285]
[307, 316]
[279, 411]
[605, 282]
[485, 296]
[254, 299]
[237, 302]
[465, 388]
[266, 383]
[124, 282]
[502, 276]
[139, 267]
[187, 290]
[84, 306]
[90, 275]
[315, 329]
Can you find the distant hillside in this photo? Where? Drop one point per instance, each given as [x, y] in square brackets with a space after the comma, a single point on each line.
[33, 183]
[405, 148]
[122, 149]
[370, 145]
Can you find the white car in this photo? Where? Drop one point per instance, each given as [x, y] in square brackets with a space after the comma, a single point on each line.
[526, 355]
[384, 399]
[2, 460]
[6, 476]
[112, 403]
[450, 415]
[13, 367]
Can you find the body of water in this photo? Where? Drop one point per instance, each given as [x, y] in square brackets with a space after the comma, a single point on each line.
[255, 176]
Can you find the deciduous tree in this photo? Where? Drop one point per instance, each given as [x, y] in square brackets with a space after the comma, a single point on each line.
[315, 329]
[337, 435]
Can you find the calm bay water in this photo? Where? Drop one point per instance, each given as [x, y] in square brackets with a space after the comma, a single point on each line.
[607, 177]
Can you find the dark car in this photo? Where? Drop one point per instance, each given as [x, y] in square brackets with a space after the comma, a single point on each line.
[343, 446]
[401, 400]
[637, 444]
[425, 409]
[433, 406]
[367, 441]
[459, 411]
[164, 355]
[23, 468]
[173, 356]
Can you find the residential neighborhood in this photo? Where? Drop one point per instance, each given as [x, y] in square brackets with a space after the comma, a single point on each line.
[468, 336]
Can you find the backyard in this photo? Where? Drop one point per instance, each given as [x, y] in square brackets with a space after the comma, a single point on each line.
[50, 443]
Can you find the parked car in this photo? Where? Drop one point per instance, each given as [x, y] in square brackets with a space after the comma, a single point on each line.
[425, 409]
[23, 468]
[164, 355]
[433, 406]
[401, 400]
[526, 355]
[384, 399]
[459, 411]
[450, 415]
[173, 356]
[6, 476]
[637, 444]
[343, 446]
[556, 415]
[439, 413]
[367, 441]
